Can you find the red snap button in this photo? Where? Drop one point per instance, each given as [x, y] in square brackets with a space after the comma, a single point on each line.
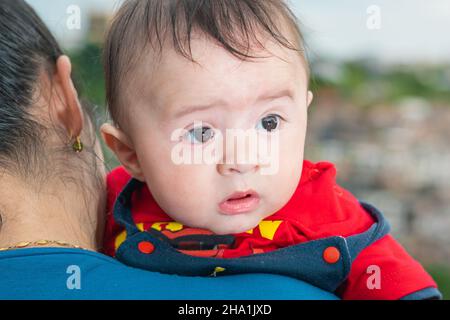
[331, 255]
[146, 247]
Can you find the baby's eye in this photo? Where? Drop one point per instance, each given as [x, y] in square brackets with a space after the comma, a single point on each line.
[269, 123]
[200, 135]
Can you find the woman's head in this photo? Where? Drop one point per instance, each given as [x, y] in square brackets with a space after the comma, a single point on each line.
[37, 96]
[40, 114]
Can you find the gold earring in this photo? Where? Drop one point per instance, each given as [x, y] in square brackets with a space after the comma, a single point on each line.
[77, 145]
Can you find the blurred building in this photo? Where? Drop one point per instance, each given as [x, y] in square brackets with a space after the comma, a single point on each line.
[98, 23]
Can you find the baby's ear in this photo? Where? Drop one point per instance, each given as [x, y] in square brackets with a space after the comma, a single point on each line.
[122, 147]
[309, 98]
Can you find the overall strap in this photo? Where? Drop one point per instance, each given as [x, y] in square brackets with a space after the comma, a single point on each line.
[358, 242]
[122, 207]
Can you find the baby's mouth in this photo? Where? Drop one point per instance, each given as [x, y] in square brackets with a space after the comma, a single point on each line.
[239, 202]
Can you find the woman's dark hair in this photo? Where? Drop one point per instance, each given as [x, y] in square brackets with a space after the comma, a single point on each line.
[27, 50]
[232, 23]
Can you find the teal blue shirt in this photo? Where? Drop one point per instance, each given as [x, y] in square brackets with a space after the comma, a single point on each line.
[63, 273]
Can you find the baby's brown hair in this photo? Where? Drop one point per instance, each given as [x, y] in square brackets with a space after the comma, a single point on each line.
[232, 23]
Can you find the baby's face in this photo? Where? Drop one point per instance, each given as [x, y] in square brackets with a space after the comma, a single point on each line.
[231, 94]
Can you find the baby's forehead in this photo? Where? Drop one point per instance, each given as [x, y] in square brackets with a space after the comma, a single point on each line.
[176, 96]
[216, 71]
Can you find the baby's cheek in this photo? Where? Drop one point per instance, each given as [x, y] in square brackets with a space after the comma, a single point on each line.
[190, 188]
[289, 175]
[291, 149]
[290, 166]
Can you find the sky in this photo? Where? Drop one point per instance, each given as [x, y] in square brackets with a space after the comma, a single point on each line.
[413, 31]
[410, 30]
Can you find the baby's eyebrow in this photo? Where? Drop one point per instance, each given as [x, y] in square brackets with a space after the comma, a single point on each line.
[264, 97]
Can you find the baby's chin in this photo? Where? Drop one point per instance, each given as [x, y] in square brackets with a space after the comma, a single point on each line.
[232, 228]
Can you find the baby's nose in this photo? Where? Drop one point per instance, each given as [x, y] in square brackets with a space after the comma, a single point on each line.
[226, 169]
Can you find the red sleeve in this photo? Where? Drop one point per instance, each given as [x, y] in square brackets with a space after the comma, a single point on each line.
[115, 182]
[384, 270]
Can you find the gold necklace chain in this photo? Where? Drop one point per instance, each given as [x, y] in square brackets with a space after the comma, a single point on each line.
[24, 244]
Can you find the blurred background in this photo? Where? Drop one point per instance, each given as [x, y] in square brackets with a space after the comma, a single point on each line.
[381, 113]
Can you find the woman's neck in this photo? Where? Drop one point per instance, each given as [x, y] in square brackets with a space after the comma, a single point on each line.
[54, 212]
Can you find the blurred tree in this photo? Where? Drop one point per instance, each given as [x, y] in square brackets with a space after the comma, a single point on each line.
[88, 73]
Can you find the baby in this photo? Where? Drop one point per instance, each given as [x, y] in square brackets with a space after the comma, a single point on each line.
[180, 75]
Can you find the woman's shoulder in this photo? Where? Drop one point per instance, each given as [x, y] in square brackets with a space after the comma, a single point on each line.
[65, 273]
